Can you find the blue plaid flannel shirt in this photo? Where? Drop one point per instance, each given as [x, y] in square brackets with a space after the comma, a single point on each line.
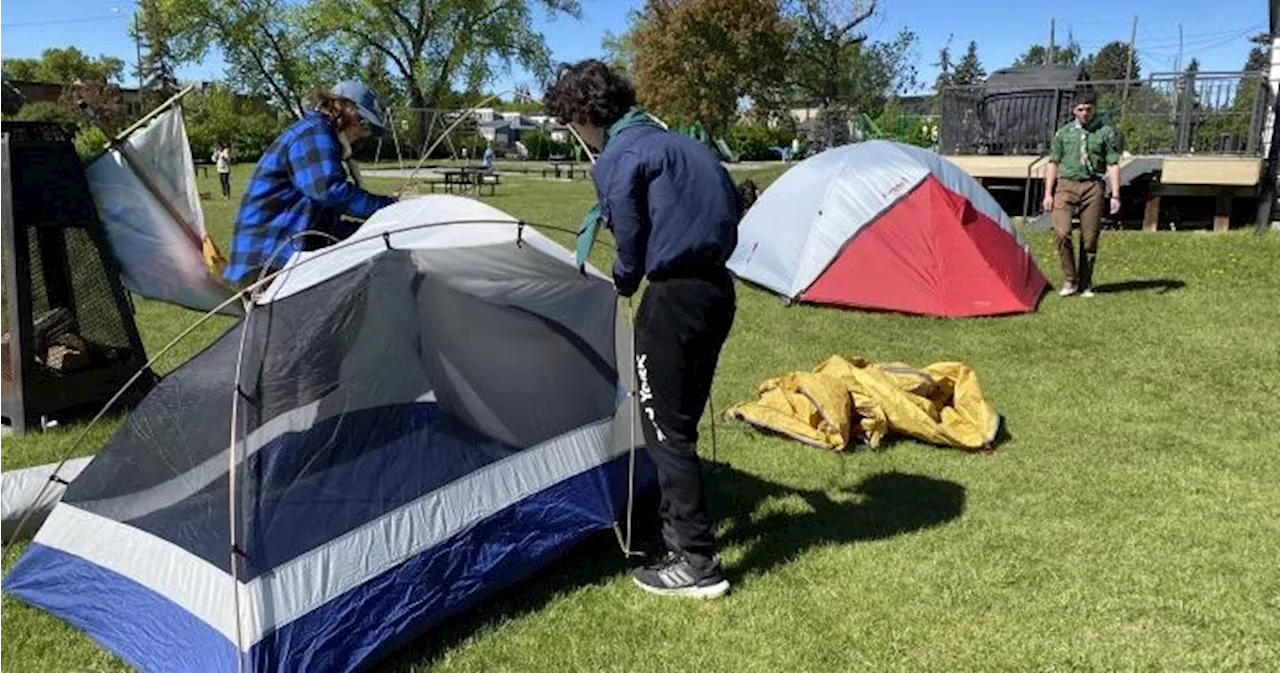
[300, 184]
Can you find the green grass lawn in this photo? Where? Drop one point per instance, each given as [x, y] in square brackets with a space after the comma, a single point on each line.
[1129, 523]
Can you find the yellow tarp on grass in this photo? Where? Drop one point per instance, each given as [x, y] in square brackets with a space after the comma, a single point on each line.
[852, 401]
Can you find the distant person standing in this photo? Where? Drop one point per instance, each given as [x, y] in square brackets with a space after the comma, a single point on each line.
[488, 157]
[1082, 152]
[222, 161]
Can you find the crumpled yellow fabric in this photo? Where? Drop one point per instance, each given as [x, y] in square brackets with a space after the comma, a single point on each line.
[845, 402]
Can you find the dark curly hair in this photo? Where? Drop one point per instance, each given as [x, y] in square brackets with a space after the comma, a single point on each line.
[588, 92]
[1086, 96]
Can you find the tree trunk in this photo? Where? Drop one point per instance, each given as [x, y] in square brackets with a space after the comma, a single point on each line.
[418, 102]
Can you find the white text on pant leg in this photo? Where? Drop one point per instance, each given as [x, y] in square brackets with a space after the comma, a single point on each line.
[646, 394]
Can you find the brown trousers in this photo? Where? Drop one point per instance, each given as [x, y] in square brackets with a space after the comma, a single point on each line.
[1085, 199]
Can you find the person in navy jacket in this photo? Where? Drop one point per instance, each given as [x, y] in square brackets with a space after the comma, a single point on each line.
[673, 211]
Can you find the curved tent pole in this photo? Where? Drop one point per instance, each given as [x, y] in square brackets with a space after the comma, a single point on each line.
[231, 489]
[422, 160]
[241, 295]
[625, 543]
[232, 514]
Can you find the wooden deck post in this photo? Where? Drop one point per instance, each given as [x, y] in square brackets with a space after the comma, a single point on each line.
[1151, 216]
[1222, 213]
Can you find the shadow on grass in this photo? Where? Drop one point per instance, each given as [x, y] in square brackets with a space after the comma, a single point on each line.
[1160, 285]
[880, 506]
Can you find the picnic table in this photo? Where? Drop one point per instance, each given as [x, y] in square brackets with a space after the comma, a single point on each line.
[465, 178]
[558, 167]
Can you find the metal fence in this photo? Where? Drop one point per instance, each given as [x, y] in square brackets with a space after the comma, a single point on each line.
[1184, 113]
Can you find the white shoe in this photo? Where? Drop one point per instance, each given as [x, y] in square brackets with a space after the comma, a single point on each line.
[1087, 293]
[1067, 290]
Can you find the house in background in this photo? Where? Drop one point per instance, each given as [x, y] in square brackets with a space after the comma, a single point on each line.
[510, 128]
[30, 92]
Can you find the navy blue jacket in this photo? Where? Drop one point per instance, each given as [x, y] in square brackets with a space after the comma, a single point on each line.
[672, 207]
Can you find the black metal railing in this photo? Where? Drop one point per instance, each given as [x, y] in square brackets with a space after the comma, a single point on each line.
[1183, 113]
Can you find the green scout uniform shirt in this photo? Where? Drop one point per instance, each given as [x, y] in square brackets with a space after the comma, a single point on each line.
[1084, 152]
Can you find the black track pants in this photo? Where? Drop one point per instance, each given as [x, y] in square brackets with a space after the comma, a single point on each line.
[680, 327]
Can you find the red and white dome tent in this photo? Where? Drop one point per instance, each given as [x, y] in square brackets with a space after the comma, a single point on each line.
[886, 226]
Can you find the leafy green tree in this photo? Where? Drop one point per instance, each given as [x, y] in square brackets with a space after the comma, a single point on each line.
[218, 116]
[268, 45]
[157, 69]
[969, 70]
[45, 111]
[12, 100]
[738, 46]
[1111, 63]
[1038, 54]
[64, 65]
[432, 44]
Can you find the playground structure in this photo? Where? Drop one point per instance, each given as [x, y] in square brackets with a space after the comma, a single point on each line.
[458, 129]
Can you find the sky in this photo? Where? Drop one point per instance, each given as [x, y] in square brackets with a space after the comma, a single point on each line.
[1218, 38]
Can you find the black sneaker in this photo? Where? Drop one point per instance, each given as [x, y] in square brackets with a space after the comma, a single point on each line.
[675, 576]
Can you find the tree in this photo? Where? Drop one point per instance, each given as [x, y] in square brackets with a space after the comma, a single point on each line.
[269, 47]
[969, 70]
[1259, 60]
[826, 48]
[1113, 62]
[64, 65]
[156, 68]
[45, 111]
[620, 50]
[217, 116]
[103, 99]
[832, 65]
[945, 67]
[517, 104]
[10, 99]
[432, 44]
[1038, 54]
[695, 59]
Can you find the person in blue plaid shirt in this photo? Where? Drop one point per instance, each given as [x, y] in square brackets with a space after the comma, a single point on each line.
[304, 183]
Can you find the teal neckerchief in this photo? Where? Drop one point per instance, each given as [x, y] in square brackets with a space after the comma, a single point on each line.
[591, 221]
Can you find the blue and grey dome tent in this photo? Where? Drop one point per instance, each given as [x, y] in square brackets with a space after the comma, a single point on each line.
[405, 423]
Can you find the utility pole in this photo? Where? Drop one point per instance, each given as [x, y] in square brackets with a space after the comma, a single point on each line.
[1267, 179]
[1177, 63]
[137, 44]
[1048, 56]
[1128, 64]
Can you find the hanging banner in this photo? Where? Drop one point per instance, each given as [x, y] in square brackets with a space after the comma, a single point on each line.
[149, 204]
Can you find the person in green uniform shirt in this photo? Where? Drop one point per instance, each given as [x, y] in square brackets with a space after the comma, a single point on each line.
[1083, 152]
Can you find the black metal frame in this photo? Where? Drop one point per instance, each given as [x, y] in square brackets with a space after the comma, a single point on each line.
[975, 120]
[26, 400]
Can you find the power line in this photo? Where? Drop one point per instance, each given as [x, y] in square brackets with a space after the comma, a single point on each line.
[1194, 49]
[1187, 39]
[50, 22]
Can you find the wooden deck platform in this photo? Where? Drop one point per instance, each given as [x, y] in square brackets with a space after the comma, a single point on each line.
[1223, 178]
[1221, 171]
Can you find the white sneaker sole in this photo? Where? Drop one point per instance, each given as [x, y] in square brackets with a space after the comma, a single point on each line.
[703, 593]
